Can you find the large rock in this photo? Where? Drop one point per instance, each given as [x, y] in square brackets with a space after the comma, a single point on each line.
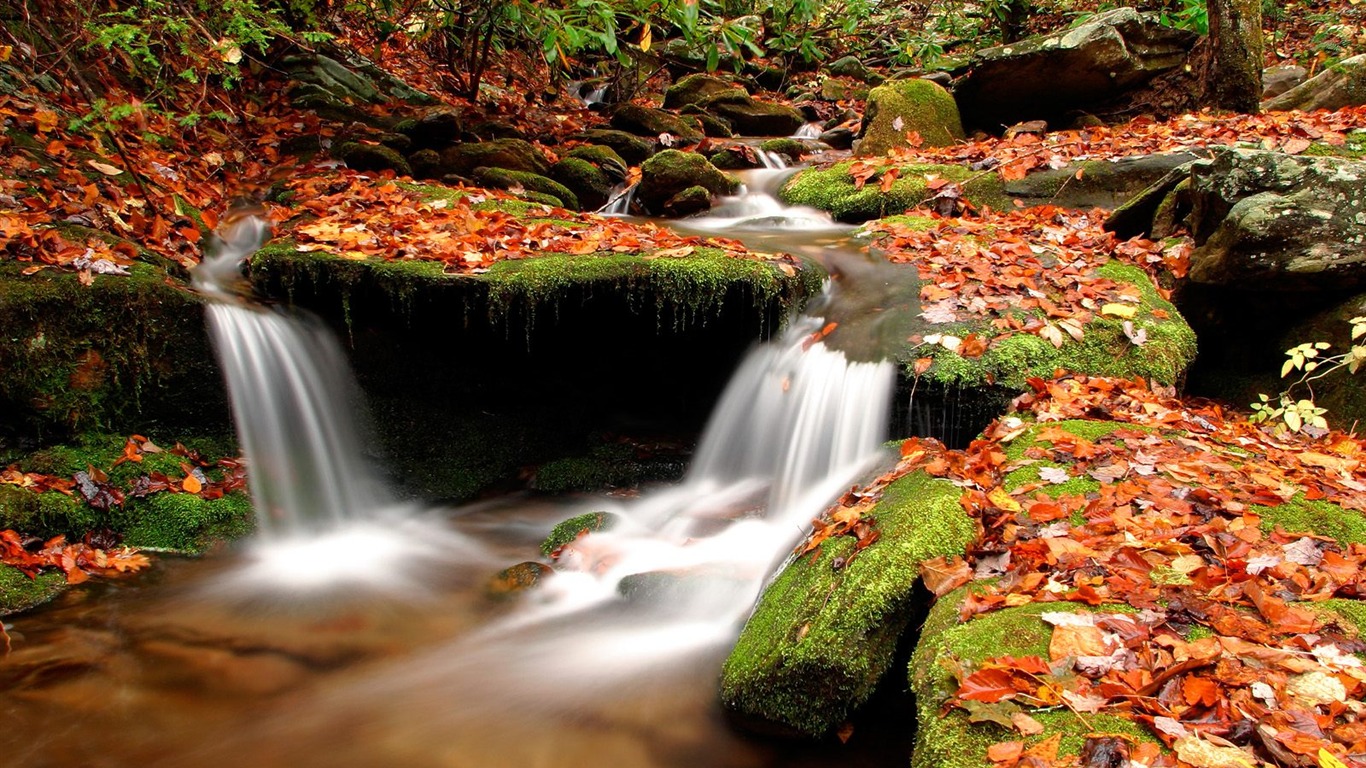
[1341, 85]
[671, 172]
[647, 121]
[631, 148]
[1281, 78]
[1048, 76]
[694, 88]
[511, 154]
[1268, 221]
[904, 106]
[1096, 183]
[748, 116]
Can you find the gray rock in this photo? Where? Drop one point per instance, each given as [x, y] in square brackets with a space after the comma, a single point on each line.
[1096, 183]
[1281, 78]
[1047, 76]
[1340, 85]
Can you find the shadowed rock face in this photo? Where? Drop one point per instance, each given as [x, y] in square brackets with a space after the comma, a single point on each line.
[1047, 76]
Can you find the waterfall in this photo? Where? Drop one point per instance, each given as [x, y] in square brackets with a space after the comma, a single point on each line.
[619, 204]
[809, 131]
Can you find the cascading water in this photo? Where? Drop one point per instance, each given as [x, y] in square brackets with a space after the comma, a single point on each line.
[293, 399]
[809, 131]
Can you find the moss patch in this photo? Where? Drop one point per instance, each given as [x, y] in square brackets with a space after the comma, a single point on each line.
[574, 527]
[950, 740]
[1103, 351]
[832, 189]
[822, 636]
[1321, 518]
[902, 106]
[20, 593]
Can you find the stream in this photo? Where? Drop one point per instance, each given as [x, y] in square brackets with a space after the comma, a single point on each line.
[353, 630]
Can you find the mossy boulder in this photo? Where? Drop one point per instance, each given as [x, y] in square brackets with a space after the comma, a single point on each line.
[585, 181]
[750, 117]
[629, 147]
[903, 106]
[948, 739]
[671, 171]
[693, 89]
[687, 202]
[714, 127]
[825, 631]
[603, 158]
[648, 121]
[501, 178]
[19, 593]
[834, 190]
[115, 354]
[371, 157]
[792, 149]
[508, 154]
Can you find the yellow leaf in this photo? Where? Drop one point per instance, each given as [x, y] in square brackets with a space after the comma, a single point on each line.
[191, 484]
[1001, 498]
[1326, 760]
[1126, 311]
[646, 39]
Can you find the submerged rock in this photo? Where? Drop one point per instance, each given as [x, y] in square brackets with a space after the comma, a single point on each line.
[905, 106]
[518, 578]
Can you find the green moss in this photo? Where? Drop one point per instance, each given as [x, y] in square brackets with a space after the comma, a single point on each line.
[501, 178]
[603, 157]
[180, 522]
[1320, 518]
[20, 593]
[822, 636]
[1349, 614]
[1354, 148]
[950, 740]
[574, 527]
[1103, 351]
[832, 189]
[793, 148]
[116, 353]
[902, 106]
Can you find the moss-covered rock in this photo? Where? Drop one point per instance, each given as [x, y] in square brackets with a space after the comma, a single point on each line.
[115, 354]
[693, 89]
[372, 157]
[826, 630]
[500, 178]
[631, 148]
[517, 579]
[902, 106]
[509, 154]
[647, 121]
[585, 181]
[671, 171]
[19, 593]
[1104, 349]
[1340, 85]
[793, 149]
[604, 158]
[574, 527]
[751, 117]
[715, 127]
[833, 189]
[687, 202]
[949, 739]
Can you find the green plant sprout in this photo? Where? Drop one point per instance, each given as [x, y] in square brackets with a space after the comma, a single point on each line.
[1307, 358]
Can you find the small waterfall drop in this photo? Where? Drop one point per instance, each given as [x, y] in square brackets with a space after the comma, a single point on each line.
[319, 501]
[809, 131]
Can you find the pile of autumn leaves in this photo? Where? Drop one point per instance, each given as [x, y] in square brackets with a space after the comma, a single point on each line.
[1219, 651]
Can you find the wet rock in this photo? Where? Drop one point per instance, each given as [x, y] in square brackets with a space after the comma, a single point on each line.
[589, 184]
[1047, 76]
[647, 121]
[904, 106]
[225, 671]
[751, 117]
[694, 88]
[579, 525]
[792, 149]
[509, 154]
[371, 157]
[671, 172]
[519, 181]
[633, 149]
[715, 127]
[736, 157]
[689, 201]
[1341, 85]
[838, 138]
[1281, 78]
[825, 631]
[518, 578]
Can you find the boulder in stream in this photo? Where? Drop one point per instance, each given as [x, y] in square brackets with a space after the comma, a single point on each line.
[901, 107]
[629, 147]
[671, 172]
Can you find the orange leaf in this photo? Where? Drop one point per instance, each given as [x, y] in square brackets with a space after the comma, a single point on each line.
[1005, 752]
[191, 484]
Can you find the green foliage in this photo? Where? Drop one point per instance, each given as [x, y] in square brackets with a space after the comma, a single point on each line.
[1295, 414]
[1188, 14]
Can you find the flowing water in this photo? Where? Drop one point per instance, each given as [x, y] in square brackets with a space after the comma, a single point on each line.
[395, 656]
